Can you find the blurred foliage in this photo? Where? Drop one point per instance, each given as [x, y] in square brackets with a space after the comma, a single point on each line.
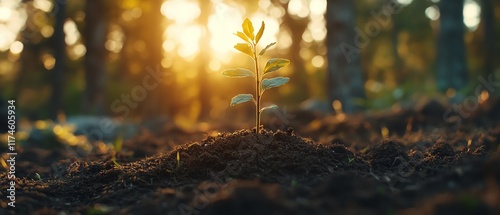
[185, 42]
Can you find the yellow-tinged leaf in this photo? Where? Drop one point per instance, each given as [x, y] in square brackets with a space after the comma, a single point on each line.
[117, 145]
[241, 98]
[245, 48]
[261, 31]
[242, 36]
[273, 82]
[275, 64]
[248, 28]
[265, 49]
[268, 108]
[238, 73]
[116, 163]
[385, 132]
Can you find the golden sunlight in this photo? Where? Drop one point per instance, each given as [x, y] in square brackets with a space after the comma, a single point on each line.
[12, 19]
[48, 61]
[71, 32]
[181, 11]
[115, 40]
[16, 47]
[184, 33]
[472, 12]
[221, 26]
[44, 5]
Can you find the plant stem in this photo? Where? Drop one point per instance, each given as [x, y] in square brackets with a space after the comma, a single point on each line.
[257, 90]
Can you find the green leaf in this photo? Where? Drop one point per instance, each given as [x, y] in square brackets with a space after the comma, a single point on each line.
[238, 73]
[242, 36]
[261, 31]
[117, 145]
[268, 83]
[248, 28]
[38, 177]
[265, 49]
[275, 64]
[241, 98]
[245, 48]
[269, 107]
[116, 163]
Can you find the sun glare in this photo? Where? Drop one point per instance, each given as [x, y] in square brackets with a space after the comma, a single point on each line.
[222, 25]
[71, 32]
[432, 12]
[115, 40]
[181, 11]
[472, 12]
[5, 14]
[189, 38]
[44, 5]
[16, 47]
[404, 2]
[184, 33]
[298, 8]
[12, 19]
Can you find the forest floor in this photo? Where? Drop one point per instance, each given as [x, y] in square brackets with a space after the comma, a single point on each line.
[394, 162]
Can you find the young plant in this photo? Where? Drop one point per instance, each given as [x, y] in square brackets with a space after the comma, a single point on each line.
[249, 47]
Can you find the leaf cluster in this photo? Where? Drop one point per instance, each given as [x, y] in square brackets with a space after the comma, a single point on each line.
[249, 47]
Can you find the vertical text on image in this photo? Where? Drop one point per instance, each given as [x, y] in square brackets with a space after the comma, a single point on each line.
[11, 140]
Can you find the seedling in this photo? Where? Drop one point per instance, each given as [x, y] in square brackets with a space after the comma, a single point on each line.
[118, 143]
[115, 162]
[385, 132]
[37, 176]
[350, 160]
[249, 47]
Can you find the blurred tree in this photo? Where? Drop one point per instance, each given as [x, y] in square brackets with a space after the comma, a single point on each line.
[58, 42]
[451, 68]
[95, 32]
[488, 31]
[203, 60]
[151, 32]
[141, 56]
[345, 77]
[30, 63]
[413, 43]
[296, 27]
[399, 68]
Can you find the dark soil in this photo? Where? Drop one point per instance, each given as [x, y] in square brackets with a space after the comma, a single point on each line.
[348, 169]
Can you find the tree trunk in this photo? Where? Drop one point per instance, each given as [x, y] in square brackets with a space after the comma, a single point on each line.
[345, 78]
[203, 60]
[297, 28]
[451, 68]
[399, 72]
[95, 57]
[56, 102]
[156, 104]
[488, 31]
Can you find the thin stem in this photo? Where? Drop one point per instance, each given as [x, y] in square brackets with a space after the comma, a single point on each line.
[257, 90]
